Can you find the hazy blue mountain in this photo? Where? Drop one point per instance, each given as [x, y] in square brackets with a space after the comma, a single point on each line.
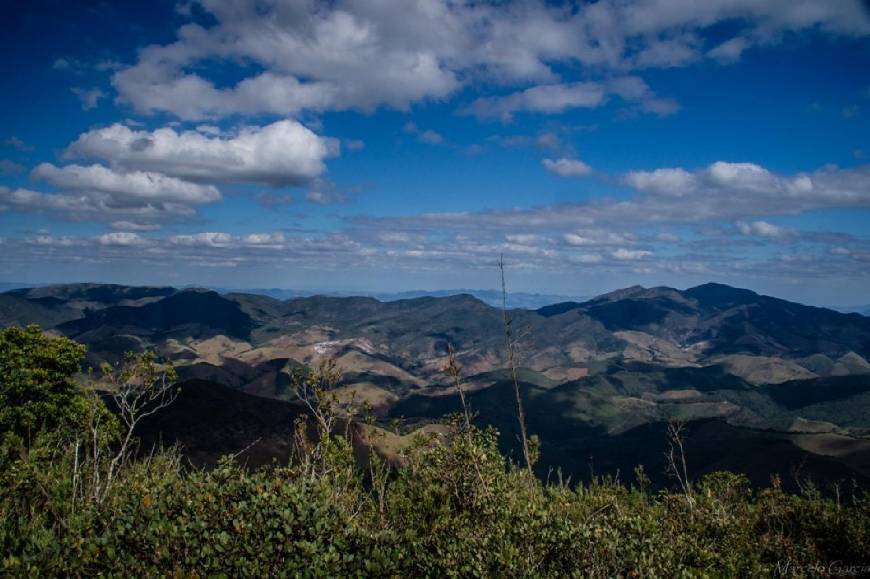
[492, 297]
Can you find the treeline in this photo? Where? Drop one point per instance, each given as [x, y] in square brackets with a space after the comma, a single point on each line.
[76, 499]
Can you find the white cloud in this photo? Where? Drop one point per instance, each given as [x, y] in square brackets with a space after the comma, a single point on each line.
[713, 196]
[212, 130]
[89, 98]
[668, 53]
[674, 182]
[356, 54]
[205, 239]
[750, 189]
[325, 197]
[597, 238]
[558, 98]
[134, 226]
[762, 229]
[264, 239]
[428, 136]
[622, 254]
[282, 153]
[525, 238]
[546, 99]
[730, 50]
[431, 138]
[139, 185]
[100, 193]
[746, 176]
[52, 241]
[634, 90]
[567, 167]
[122, 239]
[89, 205]
[548, 140]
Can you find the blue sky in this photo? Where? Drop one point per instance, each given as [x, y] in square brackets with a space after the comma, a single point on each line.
[379, 145]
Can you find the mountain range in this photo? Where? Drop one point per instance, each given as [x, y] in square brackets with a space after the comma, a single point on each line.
[767, 386]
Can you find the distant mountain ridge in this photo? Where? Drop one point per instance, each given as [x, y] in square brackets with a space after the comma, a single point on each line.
[733, 320]
[492, 297]
[593, 373]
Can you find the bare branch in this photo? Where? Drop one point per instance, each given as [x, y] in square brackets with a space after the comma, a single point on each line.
[510, 347]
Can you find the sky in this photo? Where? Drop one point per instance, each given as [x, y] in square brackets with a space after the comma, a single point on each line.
[392, 145]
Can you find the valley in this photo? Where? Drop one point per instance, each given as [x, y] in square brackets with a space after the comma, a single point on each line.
[766, 386]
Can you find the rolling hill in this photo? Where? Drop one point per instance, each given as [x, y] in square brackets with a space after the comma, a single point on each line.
[600, 377]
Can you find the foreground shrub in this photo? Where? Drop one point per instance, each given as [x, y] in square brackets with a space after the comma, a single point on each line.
[74, 503]
[456, 509]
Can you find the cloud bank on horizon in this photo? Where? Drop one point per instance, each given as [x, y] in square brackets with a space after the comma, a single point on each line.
[387, 144]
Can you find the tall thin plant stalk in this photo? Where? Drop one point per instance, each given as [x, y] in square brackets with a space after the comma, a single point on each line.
[455, 373]
[510, 347]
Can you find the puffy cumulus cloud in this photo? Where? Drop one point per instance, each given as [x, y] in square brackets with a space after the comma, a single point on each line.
[141, 185]
[264, 239]
[614, 233]
[567, 167]
[190, 96]
[205, 239]
[558, 98]
[100, 193]
[220, 240]
[765, 18]
[623, 254]
[356, 54]
[638, 94]
[94, 205]
[526, 239]
[675, 182]
[763, 229]
[122, 239]
[53, 241]
[282, 153]
[749, 177]
[597, 238]
[546, 99]
[669, 52]
[733, 189]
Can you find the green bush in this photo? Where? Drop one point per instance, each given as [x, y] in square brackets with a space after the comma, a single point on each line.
[37, 392]
[456, 508]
